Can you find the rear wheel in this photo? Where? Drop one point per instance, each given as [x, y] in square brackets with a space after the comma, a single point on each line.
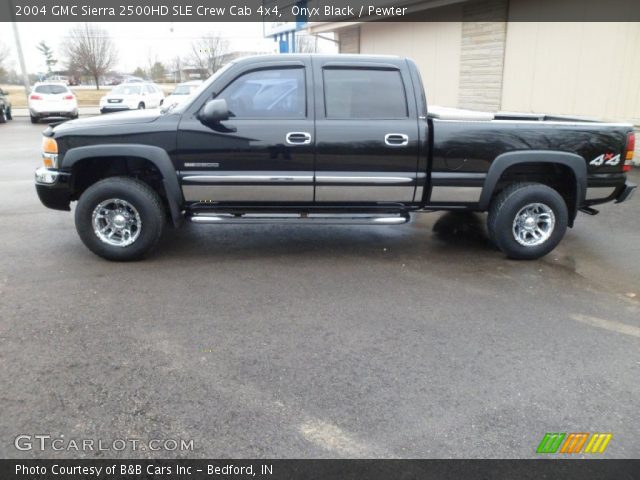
[3, 116]
[9, 116]
[527, 220]
[33, 119]
[120, 218]
[141, 106]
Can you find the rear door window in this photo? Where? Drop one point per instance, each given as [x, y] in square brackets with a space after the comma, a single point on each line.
[364, 93]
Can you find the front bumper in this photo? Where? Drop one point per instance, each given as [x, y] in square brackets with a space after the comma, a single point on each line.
[53, 188]
[115, 107]
[626, 193]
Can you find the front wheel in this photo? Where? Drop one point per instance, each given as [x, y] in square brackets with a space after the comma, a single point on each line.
[527, 220]
[141, 106]
[3, 116]
[9, 116]
[120, 218]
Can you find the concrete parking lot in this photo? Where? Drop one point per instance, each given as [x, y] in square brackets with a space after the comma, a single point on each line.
[298, 341]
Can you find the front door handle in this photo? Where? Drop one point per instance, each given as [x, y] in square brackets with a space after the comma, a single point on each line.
[396, 139]
[298, 138]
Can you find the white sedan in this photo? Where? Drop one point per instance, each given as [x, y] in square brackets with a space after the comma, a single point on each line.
[181, 92]
[50, 99]
[132, 96]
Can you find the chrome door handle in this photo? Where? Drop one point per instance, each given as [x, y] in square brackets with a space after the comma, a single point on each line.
[298, 138]
[396, 139]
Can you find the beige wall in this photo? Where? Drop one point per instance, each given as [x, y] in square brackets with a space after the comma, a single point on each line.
[435, 47]
[590, 69]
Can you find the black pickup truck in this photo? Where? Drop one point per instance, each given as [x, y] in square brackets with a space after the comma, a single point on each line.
[339, 139]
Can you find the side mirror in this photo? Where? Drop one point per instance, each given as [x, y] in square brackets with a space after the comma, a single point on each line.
[214, 111]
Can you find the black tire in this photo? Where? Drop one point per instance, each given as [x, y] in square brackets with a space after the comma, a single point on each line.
[9, 116]
[33, 119]
[141, 106]
[3, 116]
[506, 206]
[138, 194]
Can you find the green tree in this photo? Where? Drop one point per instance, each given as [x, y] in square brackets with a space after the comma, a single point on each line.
[157, 72]
[139, 72]
[47, 53]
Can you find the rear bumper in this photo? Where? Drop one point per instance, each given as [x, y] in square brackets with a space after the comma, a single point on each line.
[53, 188]
[54, 113]
[626, 193]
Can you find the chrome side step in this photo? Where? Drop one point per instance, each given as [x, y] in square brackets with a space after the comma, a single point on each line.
[311, 218]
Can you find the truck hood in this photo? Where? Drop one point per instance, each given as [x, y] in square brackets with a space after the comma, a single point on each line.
[110, 119]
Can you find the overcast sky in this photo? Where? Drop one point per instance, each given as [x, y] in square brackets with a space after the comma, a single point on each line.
[136, 42]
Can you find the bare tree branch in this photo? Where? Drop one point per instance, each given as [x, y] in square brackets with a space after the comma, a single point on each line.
[306, 43]
[207, 53]
[90, 50]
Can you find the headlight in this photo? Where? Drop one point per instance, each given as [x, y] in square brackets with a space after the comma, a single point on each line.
[49, 152]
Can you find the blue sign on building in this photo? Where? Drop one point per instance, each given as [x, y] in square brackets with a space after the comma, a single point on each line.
[285, 32]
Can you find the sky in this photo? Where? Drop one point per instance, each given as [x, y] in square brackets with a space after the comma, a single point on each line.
[136, 42]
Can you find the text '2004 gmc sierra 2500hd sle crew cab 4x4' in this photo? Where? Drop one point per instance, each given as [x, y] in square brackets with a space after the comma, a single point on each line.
[334, 139]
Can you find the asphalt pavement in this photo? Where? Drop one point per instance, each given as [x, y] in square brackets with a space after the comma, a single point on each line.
[254, 341]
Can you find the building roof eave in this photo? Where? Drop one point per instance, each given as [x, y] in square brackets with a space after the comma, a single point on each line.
[411, 5]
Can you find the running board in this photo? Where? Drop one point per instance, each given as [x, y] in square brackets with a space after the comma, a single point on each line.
[311, 218]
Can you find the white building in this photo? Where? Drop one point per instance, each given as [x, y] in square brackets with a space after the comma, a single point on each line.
[485, 61]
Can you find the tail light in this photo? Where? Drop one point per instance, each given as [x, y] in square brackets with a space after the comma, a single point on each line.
[629, 149]
[68, 97]
[35, 97]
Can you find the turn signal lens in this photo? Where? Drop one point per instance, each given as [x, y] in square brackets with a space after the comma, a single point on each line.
[49, 145]
[49, 152]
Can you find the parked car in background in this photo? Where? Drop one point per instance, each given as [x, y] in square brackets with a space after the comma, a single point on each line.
[132, 96]
[57, 79]
[181, 92]
[132, 79]
[5, 107]
[52, 99]
[118, 79]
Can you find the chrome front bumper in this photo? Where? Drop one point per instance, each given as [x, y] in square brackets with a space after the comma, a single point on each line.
[44, 176]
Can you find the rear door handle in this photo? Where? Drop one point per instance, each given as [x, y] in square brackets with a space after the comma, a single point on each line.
[298, 138]
[396, 139]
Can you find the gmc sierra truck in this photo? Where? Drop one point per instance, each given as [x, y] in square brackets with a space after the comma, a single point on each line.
[336, 139]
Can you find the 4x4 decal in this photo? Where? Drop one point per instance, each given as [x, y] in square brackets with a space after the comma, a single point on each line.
[606, 159]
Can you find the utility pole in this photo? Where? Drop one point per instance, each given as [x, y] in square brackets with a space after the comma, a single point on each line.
[23, 68]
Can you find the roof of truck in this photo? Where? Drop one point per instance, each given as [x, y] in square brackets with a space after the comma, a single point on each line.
[336, 56]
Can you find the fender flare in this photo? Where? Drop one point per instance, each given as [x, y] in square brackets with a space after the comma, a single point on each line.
[153, 154]
[575, 162]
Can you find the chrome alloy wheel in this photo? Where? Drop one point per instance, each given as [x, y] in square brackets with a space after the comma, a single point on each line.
[533, 224]
[116, 222]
